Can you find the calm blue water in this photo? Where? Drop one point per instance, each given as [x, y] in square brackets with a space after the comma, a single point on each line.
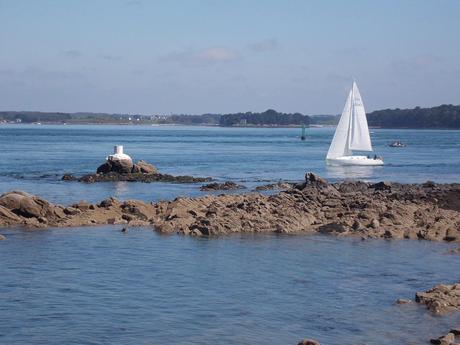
[35, 157]
[99, 286]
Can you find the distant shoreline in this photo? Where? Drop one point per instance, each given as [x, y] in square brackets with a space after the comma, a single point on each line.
[205, 125]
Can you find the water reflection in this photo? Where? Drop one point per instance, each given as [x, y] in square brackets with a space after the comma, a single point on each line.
[360, 172]
[121, 188]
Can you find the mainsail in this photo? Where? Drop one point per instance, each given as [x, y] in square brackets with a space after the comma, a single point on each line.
[352, 132]
[359, 132]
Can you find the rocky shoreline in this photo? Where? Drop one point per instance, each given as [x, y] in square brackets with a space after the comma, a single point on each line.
[426, 211]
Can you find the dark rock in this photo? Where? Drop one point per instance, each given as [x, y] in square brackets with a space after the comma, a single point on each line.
[311, 178]
[118, 166]
[448, 339]
[68, 177]
[429, 184]
[109, 202]
[455, 331]
[88, 178]
[221, 186]
[104, 168]
[141, 177]
[126, 167]
[381, 186]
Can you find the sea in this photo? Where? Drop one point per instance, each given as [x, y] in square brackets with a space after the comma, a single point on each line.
[97, 285]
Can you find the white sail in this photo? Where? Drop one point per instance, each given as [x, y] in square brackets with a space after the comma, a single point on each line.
[352, 132]
[359, 132]
[339, 144]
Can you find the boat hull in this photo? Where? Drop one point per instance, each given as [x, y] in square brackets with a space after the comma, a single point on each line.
[355, 160]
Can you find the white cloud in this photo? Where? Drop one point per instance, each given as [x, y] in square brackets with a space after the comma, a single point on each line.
[206, 56]
[216, 55]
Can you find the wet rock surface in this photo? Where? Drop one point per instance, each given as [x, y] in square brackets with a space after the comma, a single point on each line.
[141, 177]
[127, 171]
[388, 211]
[441, 299]
[222, 186]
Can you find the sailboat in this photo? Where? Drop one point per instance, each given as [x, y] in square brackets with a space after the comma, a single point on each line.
[352, 134]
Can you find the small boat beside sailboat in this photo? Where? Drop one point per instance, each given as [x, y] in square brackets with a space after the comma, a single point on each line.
[397, 144]
[352, 134]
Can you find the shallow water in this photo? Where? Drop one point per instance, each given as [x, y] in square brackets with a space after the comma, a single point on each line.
[100, 286]
[35, 157]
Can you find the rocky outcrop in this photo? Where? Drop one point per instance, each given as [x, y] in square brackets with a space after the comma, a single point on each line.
[127, 171]
[126, 167]
[144, 168]
[389, 211]
[141, 177]
[221, 186]
[342, 209]
[441, 299]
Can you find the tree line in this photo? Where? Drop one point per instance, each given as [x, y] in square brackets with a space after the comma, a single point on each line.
[269, 117]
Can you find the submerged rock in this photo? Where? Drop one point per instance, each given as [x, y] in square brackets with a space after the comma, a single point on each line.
[2, 238]
[440, 299]
[68, 177]
[448, 339]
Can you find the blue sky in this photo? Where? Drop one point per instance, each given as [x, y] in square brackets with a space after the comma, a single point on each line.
[199, 56]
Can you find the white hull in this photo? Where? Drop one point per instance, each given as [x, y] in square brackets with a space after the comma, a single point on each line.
[354, 160]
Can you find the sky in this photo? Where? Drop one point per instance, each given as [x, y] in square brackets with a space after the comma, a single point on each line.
[224, 56]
